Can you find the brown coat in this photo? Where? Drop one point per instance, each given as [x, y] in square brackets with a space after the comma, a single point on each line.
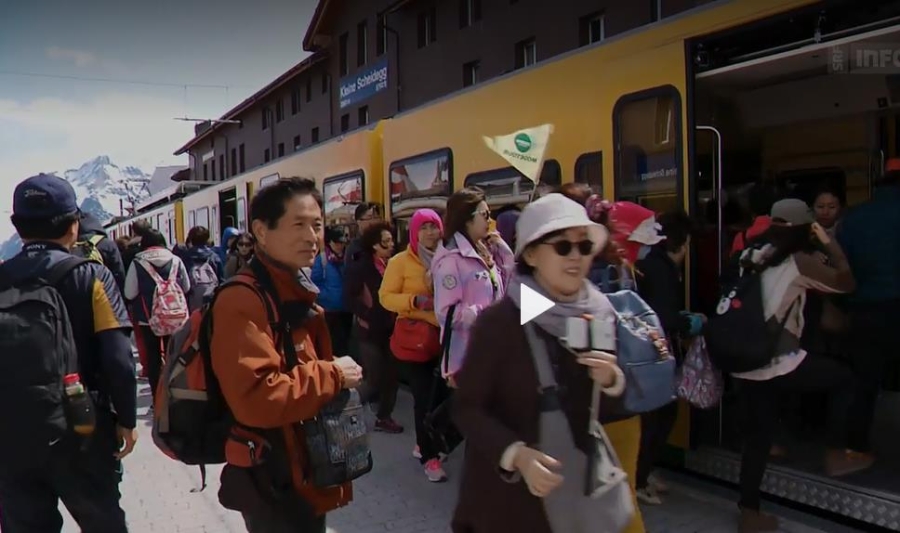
[260, 393]
[497, 404]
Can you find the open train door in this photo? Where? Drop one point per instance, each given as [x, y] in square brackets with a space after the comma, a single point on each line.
[244, 193]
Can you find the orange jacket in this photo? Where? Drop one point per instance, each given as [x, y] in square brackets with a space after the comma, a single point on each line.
[261, 394]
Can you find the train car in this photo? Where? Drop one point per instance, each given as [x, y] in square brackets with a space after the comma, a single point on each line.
[683, 114]
[162, 211]
[347, 170]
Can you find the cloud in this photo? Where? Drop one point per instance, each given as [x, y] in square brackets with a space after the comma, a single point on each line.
[79, 57]
[133, 129]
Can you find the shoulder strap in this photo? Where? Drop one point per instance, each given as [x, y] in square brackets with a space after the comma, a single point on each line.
[541, 357]
[281, 326]
[95, 239]
[174, 270]
[150, 270]
[62, 269]
[445, 341]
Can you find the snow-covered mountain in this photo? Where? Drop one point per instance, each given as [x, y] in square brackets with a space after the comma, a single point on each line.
[99, 185]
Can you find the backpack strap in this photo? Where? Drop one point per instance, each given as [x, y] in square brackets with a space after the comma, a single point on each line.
[445, 340]
[95, 240]
[60, 270]
[151, 270]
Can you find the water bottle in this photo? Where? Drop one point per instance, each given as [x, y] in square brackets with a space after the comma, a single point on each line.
[80, 409]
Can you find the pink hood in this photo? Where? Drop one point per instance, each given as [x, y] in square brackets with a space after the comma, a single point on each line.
[419, 218]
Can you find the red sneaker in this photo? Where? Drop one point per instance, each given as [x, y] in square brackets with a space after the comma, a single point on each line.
[388, 425]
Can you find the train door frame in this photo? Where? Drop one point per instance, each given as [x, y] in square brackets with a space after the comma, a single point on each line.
[227, 202]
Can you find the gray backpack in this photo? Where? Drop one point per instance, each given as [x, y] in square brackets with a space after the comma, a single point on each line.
[204, 281]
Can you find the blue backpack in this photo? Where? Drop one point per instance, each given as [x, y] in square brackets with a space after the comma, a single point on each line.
[644, 355]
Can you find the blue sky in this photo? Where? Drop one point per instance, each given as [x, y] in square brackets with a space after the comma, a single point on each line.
[52, 118]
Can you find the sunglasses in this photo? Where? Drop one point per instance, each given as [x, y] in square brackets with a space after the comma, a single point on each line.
[564, 248]
[245, 244]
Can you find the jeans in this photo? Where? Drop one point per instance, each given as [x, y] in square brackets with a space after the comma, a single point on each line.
[155, 350]
[380, 372]
[759, 409]
[655, 429]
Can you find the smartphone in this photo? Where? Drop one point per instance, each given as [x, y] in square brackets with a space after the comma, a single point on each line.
[591, 333]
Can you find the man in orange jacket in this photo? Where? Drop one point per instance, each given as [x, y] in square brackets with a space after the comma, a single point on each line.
[287, 223]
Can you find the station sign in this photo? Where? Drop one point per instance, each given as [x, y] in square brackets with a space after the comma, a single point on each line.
[365, 84]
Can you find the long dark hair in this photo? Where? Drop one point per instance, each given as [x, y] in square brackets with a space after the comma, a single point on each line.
[460, 207]
[786, 240]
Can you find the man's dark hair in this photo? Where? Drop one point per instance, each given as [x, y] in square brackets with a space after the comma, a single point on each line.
[152, 238]
[139, 228]
[577, 192]
[760, 199]
[363, 208]
[43, 229]
[198, 236]
[372, 236]
[677, 226]
[268, 205]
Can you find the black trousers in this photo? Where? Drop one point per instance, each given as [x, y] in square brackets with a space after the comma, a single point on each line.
[155, 348]
[655, 428]
[421, 380]
[759, 408]
[340, 327]
[380, 372]
[872, 333]
[291, 518]
[87, 482]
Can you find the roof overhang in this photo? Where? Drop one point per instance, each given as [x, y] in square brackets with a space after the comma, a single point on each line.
[255, 99]
[316, 37]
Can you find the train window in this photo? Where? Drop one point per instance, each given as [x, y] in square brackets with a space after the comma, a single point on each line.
[509, 186]
[268, 180]
[342, 194]
[172, 236]
[242, 214]
[647, 132]
[589, 170]
[203, 217]
[424, 180]
[214, 222]
[192, 218]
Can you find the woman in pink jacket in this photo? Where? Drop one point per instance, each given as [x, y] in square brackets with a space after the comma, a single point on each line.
[470, 269]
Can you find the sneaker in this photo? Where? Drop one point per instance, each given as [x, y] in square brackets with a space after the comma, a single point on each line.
[649, 496]
[659, 486]
[417, 453]
[845, 462]
[756, 522]
[388, 425]
[435, 472]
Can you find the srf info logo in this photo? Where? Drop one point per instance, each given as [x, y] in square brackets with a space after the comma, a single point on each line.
[864, 58]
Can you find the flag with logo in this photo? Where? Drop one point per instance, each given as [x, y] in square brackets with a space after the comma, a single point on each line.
[523, 149]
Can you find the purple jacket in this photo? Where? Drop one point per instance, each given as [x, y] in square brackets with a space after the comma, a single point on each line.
[462, 278]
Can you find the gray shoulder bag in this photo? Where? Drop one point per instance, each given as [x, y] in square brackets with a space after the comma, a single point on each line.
[594, 498]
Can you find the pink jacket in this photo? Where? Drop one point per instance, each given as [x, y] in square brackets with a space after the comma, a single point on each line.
[462, 278]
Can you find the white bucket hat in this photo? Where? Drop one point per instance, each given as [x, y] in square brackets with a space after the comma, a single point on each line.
[555, 212]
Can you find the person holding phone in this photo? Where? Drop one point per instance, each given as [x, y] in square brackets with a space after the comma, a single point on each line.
[498, 402]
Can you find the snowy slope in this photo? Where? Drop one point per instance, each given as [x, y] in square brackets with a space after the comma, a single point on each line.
[99, 185]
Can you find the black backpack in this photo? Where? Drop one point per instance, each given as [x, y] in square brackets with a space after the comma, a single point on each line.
[37, 349]
[738, 336]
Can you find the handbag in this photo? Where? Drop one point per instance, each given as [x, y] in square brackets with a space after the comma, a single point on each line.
[415, 341]
[594, 496]
[438, 421]
[701, 383]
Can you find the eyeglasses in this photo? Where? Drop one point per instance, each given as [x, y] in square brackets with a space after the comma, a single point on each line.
[564, 248]
[245, 244]
[486, 214]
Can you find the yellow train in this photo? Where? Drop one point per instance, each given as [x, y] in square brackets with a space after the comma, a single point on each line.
[672, 115]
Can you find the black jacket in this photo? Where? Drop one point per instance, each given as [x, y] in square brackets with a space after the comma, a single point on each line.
[108, 249]
[659, 284]
[361, 283]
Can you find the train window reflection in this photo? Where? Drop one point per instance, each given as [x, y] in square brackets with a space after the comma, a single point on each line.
[509, 186]
[342, 194]
[419, 181]
[589, 170]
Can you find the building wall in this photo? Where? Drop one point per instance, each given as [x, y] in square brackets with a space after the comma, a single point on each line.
[417, 74]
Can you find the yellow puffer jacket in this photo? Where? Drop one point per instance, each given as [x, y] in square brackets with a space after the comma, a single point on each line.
[404, 279]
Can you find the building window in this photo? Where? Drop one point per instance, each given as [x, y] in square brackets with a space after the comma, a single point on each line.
[362, 43]
[381, 45]
[295, 101]
[234, 170]
[296, 142]
[343, 54]
[267, 156]
[222, 167]
[314, 137]
[345, 123]
[363, 115]
[309, 89]
[470, 73]
[325, 83]
[205, 172]
[427, 27]
[280, 149]
[526, 53]
[591, 29]
[265, 118]
[212, 165]
[243, 167]
[279, 110]
[469, 12]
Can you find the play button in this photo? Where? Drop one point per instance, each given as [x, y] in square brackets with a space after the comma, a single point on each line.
[533, 305]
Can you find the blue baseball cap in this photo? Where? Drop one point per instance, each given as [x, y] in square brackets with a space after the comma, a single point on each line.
[44, 197]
